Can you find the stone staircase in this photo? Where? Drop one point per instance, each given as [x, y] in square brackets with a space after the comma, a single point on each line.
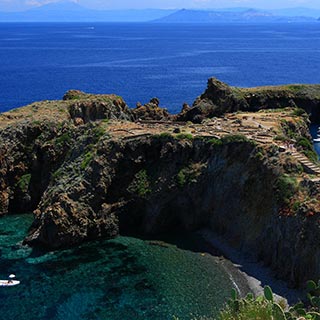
[306, 163]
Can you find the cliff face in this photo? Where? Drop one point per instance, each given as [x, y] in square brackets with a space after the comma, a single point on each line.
[89, 170]
[152, 185]
[36, 140]
[219, 98]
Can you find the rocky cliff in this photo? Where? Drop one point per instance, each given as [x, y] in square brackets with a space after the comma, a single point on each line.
[90, 167]
[220, 98]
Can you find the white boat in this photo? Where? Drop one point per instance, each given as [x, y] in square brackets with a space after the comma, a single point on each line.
[6, 283]
[316, 140]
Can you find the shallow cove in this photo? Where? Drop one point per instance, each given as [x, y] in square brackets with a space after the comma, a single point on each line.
[124, 278]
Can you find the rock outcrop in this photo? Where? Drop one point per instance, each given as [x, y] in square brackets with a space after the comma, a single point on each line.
[219, 98]
[151, 111]
[88, 107]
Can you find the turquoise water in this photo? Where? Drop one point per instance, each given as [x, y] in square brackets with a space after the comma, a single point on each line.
[124, 278]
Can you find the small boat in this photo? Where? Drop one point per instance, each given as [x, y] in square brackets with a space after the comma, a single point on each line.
[316, 140]
[7, 283]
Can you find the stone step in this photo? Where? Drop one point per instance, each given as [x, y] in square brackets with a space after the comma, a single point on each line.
[306, 162]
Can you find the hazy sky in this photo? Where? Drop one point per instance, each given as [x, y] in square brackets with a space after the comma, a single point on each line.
[17, 5]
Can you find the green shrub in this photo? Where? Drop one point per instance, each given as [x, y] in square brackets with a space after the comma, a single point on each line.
[250, 308]
[184, 136]
[232, 138]
[57, 174]
[181, 178]
[215, 142]
[298, 112]
[296, 206]
[140, 184]
[259, 155]
[188, 175]
[289, 129]
[306, 146]
[255, 309]
[304, 143]
[280, 138]
[311, 155]
[163, 136]
[286, 187]
[87, 159]
[23, 183]
[98, 132]
[266, 308]
[36, 122]
[63, 139]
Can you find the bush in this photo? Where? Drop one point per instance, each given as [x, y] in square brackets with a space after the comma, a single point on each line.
[63, 139]
[232, 138]
[311, 155]
[163, 136]
[140, 184]
[181, 178]
[307, 149]
[57, 174]
[305, 143]
[265, 308]
[87, 159]
[254, 309]
[184, 136]
[280, 138]
[23, 183]
[296, 206]
[299, 112]
[98, 132]
[188, 175]
[215, 142]
[286, 187]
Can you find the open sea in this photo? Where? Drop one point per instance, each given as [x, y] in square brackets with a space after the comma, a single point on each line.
[129, 278]
[141, 61]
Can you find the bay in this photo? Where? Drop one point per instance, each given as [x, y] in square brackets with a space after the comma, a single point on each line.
[124, 278]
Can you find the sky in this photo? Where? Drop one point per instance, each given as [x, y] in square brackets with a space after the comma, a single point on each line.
[20, 5]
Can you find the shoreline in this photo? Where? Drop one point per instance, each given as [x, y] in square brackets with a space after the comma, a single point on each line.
[254, 274]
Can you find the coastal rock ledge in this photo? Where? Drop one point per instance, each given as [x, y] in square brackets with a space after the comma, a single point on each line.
[90, 167]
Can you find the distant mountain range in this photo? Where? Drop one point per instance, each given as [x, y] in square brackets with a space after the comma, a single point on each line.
[297, 12]
[250, 15]
[66, 11]
[71, 12]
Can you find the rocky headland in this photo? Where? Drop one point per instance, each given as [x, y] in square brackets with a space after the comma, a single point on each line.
[239, 162]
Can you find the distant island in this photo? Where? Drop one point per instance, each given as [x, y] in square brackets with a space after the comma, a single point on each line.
[246, 16]
[66, 11]
[73, 12]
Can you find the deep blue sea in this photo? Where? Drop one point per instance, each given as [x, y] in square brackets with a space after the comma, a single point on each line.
[140, 61]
